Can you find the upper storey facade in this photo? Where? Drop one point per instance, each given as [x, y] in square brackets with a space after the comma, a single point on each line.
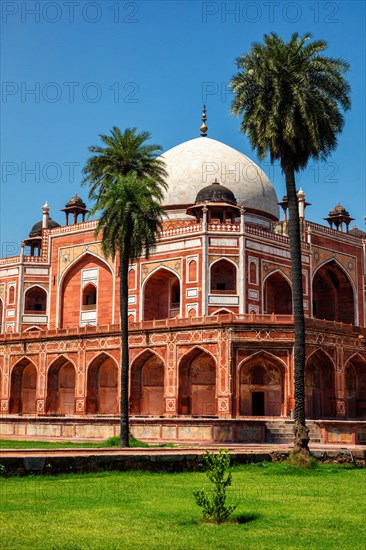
[222, 249]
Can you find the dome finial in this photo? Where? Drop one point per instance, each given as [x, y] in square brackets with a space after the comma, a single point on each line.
[203, 128]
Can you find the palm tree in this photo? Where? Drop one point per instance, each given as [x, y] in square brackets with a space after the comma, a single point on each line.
[290, 98]
[131, 215]
[123, 152]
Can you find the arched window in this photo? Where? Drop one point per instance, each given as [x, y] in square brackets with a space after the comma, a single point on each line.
[277, 295]
[35, 300]
[89, 296]
[11, 295]
[162, 295]
[223, 278]
[253, 278]
[192, 271]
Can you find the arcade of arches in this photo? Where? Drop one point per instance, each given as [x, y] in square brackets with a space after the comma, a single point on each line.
[261, 386]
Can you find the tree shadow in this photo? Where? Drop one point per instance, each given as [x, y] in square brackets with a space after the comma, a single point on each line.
[246, 518]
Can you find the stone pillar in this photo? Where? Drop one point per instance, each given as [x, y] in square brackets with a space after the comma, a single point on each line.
[242, 288]
[204, 261]
[224, 383]
[171, 379]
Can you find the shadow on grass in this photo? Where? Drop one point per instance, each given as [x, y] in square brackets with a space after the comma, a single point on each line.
[246, 518]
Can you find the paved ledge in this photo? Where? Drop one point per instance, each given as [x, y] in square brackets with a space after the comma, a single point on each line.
[60, 461]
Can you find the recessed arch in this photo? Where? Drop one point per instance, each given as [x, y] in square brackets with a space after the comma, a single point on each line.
[161, 293]
[35, 300]
[23, 387]
[223, 276]
[102, 385]
[277, 293]
[147, 384]
[320, 385]
[355, 386]
[71, 311]
[61, 375]
[333, 293]
[262, 385]
[197, 383]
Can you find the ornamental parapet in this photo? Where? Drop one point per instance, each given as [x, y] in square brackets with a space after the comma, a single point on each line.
[187, 322]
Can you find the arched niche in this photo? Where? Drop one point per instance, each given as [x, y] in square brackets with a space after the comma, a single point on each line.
[320, 386]
[35, 300]
[355, 387]
[333, 296]
[223, 276]
[61, 387]
[261, 386]
[197, 384]
[162, 295]
[23, 384]
[277, 295]
[147, 385]
[102, 386]
[71, 292]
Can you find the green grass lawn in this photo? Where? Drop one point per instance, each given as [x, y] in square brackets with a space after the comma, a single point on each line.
[277, 507]
[111, 442]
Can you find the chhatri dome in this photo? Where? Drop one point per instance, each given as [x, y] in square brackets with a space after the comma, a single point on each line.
[197, 163]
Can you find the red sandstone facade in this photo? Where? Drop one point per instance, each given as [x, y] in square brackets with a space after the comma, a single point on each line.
[211, 330]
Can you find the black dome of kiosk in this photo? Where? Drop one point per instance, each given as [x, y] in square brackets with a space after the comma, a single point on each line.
[215, 193]
[36, 230]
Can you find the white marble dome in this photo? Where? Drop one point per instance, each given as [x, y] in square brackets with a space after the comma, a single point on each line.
[198, 162]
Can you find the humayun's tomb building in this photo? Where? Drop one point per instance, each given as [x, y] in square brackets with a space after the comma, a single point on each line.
[211, 325]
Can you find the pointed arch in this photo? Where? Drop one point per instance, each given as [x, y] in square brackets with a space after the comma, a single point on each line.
[161, 293]
[320, 385]
[334, 296]
[102, 385]
[355, 386]
[147, 384]
[261, 385]
[23, 387]
[61, 375]
[277, 293]
[222, 311]
[223, 276]
[71, 310]
[35, 300]
[197, 383]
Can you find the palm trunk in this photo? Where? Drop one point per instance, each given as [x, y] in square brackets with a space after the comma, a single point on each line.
[300, 430]
[123, 282]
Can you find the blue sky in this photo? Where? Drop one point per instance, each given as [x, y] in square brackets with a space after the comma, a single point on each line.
[72, 70]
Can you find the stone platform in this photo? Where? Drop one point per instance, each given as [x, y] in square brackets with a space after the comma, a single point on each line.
[182, 429]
